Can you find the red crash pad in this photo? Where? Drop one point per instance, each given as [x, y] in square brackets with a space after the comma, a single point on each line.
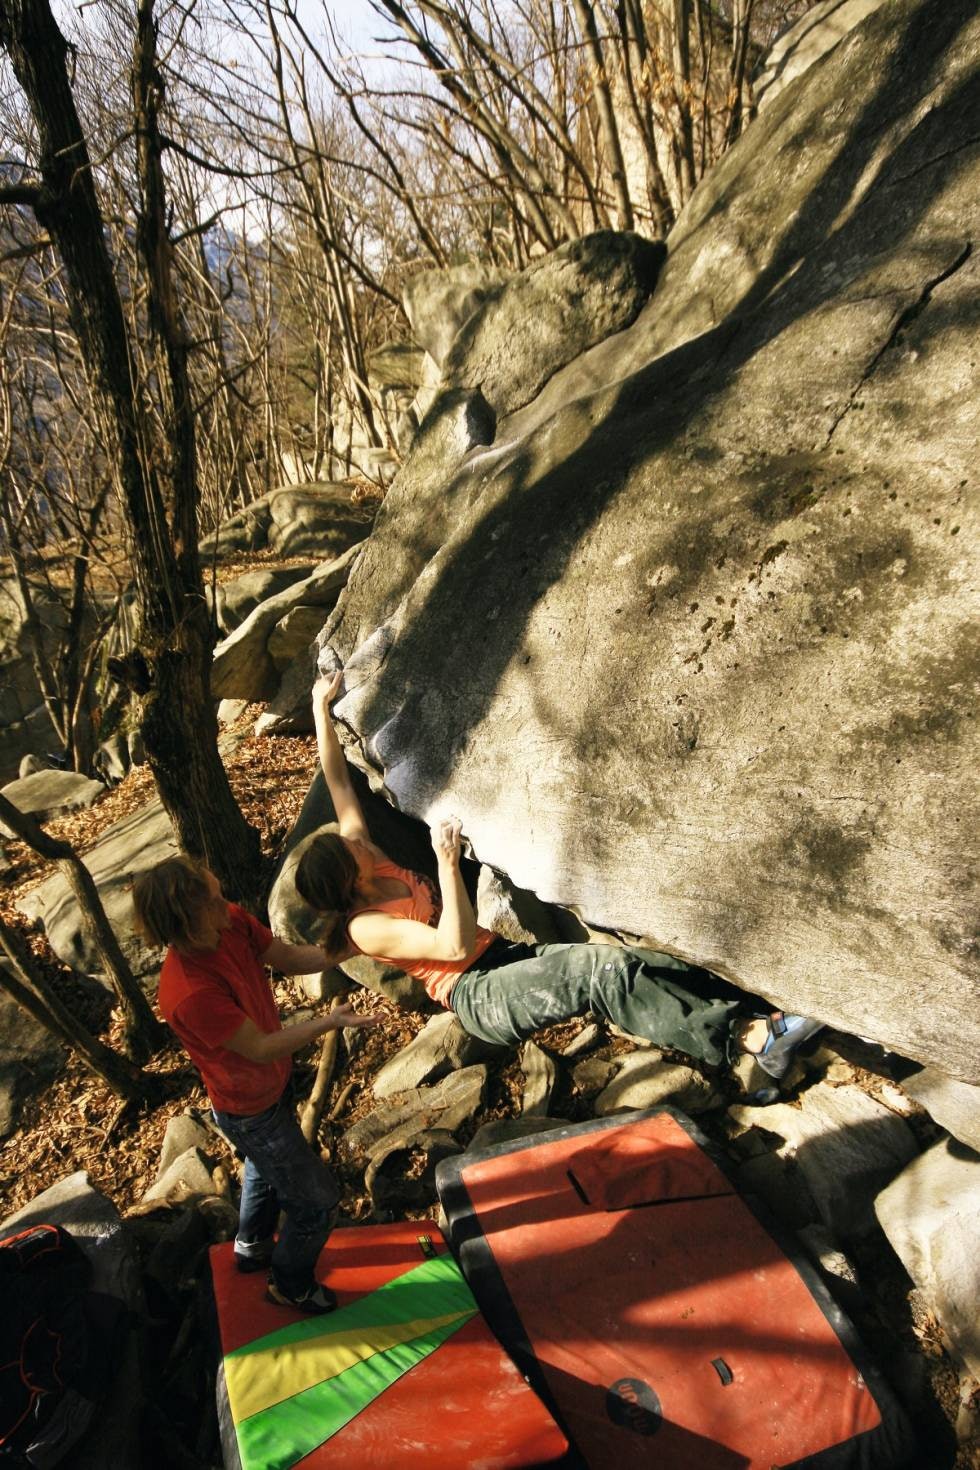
[655, 1311]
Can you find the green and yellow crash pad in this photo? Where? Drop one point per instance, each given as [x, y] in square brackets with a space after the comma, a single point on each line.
[404, 1370]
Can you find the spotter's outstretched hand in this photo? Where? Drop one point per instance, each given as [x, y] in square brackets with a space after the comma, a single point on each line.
[346, 1016]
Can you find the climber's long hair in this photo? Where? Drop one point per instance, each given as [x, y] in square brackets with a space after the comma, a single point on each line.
[326, 879]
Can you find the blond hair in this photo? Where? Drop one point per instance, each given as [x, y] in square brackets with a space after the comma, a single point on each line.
[169, 900]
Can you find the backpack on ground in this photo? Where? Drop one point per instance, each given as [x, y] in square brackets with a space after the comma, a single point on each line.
[58, 1345]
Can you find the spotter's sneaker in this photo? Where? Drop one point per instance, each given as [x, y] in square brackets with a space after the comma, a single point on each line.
[248, 1264]
[318, 1300]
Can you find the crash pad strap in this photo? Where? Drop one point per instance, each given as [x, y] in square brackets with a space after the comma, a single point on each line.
[291, 1390]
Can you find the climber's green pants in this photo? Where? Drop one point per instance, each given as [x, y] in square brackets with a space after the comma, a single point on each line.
[517, 989]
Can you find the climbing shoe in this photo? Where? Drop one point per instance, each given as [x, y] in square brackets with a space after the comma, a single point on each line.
[786, 1035]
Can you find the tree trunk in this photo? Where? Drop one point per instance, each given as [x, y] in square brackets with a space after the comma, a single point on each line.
[24, 982]
[171, 668]
[682, 88]
[608, 128]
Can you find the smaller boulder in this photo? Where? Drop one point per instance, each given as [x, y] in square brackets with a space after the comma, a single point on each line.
[30, 765]
[505, 1130]
[175, 1260]
[290, 637]
[954, 1105]
[112, 759]
[593, 1075]
[441, 1046]
[131, 846]
[847, 1146]
[237, 598]
[289, 711]
[514, 913]
[137, 748]
[439, 302]
[246, 530]
[401, 1174]
[838, 1271]
[588, 1038]
[645, 1079]
[577, 296]
[49, 793]
[540, 1075]
[243, 667]
[449, 1105]
[29, 1058]
[188, 1174]
[781, 1186]
[184, 1133]
[317, 520]
[230, 710]
[931, 1215]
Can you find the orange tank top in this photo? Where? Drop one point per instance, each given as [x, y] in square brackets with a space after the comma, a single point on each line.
[422, 904]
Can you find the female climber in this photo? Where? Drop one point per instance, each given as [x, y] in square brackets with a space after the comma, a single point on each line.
[502, 992]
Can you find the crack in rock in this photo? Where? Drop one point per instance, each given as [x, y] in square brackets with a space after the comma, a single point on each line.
[902, 321]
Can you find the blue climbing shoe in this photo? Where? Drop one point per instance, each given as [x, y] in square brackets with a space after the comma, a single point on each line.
[786, 1035]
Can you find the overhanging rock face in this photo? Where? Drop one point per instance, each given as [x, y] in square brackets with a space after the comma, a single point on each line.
[693, 649]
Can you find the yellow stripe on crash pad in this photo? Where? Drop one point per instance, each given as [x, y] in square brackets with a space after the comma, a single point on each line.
[268, 1375]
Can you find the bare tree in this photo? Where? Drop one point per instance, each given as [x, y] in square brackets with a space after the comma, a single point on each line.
[144, 1033]
[155, 475]
[24, 981]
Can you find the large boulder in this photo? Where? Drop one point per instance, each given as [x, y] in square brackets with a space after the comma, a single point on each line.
[694, 649]
[805, 42]
[575, 297]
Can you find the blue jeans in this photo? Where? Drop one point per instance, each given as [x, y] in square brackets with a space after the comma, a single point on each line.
[282, 1172]
[514, 990]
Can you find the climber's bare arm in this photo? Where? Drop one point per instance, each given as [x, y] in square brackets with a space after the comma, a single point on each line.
[350, 818]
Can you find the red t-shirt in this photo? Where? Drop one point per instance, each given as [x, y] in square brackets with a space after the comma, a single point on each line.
[205, 996]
